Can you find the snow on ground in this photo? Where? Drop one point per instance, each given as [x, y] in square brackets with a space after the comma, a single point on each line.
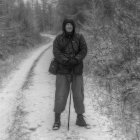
[8, 95]
[39, 103]
[32, 107]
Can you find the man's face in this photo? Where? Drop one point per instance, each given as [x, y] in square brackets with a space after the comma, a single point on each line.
[69, 27]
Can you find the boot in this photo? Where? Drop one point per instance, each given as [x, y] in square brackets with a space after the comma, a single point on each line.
[81, 121]
[57, 122]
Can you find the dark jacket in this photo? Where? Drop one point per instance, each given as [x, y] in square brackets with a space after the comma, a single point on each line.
[66, 47]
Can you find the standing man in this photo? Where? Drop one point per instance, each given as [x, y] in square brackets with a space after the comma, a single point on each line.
[69, 49]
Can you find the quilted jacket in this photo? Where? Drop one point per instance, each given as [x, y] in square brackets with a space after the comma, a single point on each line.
[66, 47]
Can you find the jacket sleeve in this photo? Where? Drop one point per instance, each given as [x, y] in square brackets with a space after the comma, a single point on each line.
[60, 57]
[83, 49]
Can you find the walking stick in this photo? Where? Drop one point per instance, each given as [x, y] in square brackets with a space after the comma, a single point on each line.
[69, 111]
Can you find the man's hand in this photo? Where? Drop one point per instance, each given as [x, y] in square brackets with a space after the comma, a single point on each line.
[73, 61]
[65, 62]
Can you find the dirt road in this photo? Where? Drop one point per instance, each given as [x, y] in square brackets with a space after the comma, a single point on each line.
[26, 105]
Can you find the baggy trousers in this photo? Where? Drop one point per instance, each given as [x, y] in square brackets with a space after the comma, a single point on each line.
[63, 84]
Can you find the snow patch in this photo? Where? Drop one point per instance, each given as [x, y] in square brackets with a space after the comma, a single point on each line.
[8, 96]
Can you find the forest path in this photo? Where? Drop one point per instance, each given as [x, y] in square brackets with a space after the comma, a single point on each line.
[28, 102]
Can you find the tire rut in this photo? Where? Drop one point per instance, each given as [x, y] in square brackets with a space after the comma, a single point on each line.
[19, 129]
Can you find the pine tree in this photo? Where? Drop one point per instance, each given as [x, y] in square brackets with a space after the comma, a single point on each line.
[3, 16]
[3, 29]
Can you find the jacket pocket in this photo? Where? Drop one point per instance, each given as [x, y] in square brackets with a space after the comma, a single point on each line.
[62, 69]
[78, 69]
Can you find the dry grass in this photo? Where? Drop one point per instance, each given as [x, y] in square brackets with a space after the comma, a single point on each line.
[121, 103]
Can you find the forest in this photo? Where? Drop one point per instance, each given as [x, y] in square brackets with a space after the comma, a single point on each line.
[112, 32]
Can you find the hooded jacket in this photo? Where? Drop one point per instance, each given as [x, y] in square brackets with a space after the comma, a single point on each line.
[69, 35]
[67, 46]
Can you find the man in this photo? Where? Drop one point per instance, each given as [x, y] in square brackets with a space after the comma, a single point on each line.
[69, 49]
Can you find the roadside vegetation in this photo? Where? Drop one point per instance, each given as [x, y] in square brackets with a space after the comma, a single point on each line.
[20, 26]
[112, 32]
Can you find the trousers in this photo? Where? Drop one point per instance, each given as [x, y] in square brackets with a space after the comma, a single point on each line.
[63, 85]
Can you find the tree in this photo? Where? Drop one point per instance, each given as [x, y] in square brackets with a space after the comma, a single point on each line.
[74, 9]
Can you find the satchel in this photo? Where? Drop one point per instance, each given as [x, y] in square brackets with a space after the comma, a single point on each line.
[53, 67]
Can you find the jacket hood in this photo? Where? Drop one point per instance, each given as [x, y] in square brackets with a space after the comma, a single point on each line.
[64, 24]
